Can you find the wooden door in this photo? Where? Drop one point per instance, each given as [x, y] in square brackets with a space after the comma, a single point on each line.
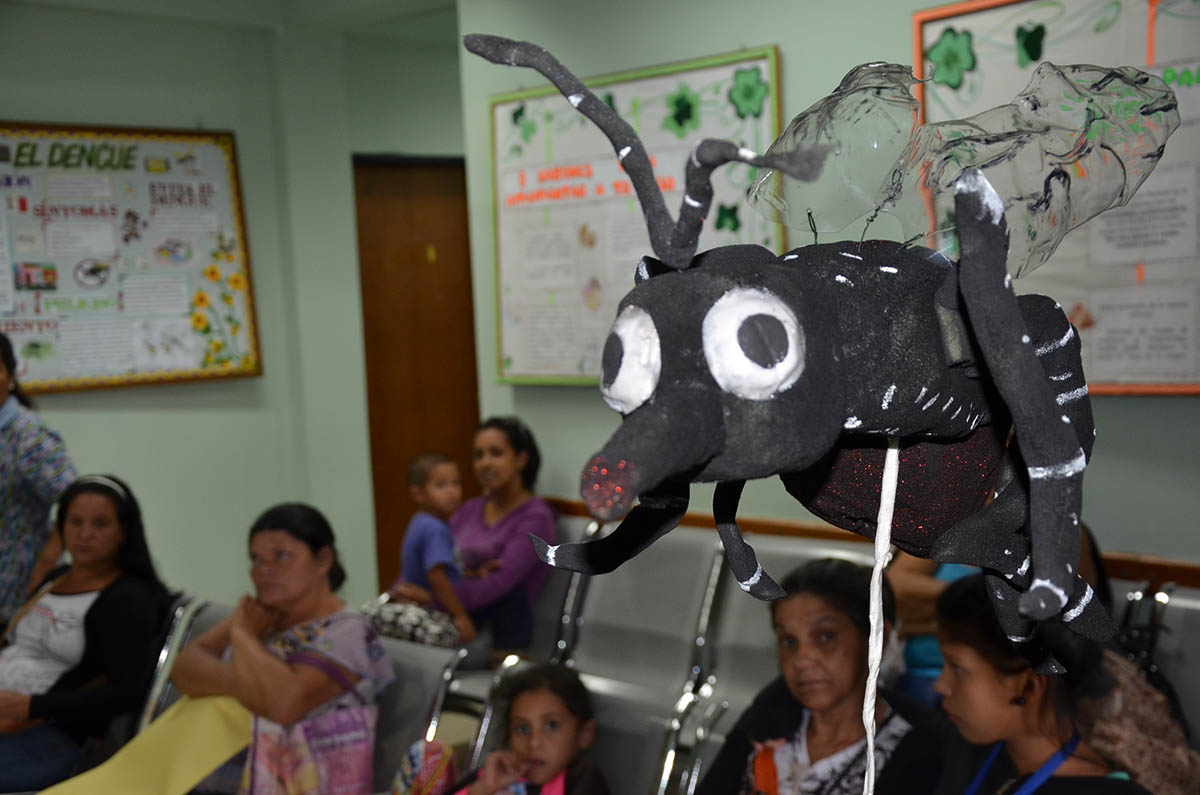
[419, 330]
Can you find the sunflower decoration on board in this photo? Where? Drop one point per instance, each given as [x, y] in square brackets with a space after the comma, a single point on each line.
[216, 312]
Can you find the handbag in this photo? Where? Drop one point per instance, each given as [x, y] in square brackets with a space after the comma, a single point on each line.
[410, 621]
[329, 754]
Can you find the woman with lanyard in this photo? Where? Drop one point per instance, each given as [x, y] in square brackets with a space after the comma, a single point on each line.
[1018, 730]
[34, 471]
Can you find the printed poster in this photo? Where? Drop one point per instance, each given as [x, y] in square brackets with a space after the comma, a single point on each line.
[123, 257]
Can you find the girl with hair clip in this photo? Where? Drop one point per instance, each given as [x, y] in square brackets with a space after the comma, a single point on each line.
[78, 653]
[294, 650]
[34, 471]
[549, 723]
[1019, 731]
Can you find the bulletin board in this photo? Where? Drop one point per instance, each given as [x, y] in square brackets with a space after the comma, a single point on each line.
[123, 257]
[1129, 278]
[569, 229]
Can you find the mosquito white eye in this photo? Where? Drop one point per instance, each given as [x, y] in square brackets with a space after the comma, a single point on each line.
[631, 362]
[753, 343]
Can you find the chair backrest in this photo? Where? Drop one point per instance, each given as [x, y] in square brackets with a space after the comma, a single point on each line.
[1178, 647]
[743, 644]
[549, 607]
[630, 744]
[178, 622]
[411, 703]
[193, 620]
[639, 623]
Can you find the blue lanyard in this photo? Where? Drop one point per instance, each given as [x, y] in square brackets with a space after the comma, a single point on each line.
[1037, 779]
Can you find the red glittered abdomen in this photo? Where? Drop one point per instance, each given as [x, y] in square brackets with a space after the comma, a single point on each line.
[940, 483]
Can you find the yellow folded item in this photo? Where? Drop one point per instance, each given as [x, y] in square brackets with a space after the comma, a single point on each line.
[171, 755]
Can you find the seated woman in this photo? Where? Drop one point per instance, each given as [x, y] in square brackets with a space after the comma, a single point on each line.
[1017, 730]
[79, 652]
[492, 533]
[253, 654]
[804, 731]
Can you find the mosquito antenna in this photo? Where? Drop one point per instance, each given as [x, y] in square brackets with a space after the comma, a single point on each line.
[673, 242]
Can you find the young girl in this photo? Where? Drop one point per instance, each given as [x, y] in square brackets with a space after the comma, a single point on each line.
[1021, 728]
[549, 725]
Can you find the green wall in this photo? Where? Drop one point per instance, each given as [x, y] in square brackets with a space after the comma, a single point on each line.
[1141, 492]
[204, 459]
[403, 97]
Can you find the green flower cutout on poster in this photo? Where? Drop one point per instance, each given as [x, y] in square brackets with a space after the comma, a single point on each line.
[749, 92]
[727, 217]
[952, 57]
[527, 127]
[683, 111]
[1029, 44]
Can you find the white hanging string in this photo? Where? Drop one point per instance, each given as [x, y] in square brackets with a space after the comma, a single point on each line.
[883, 542]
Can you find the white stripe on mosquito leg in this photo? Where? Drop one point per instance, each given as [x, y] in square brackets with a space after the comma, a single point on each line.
[1062, 470]
[889, 269]
[923, 391]
[842, 279]
[625, 152]
[1077, 610]
[1007, 280]
[973, 181]
[746, 585]
[1020, 638]
[575, 99]
[948, 402]
[887, 397]
[851, 256]
[1024, 567]
[1059, 593]
[1061, 376]
[746, 154]
[691, 202]
[1075, 394]
[956, 412]
[551, 552]
[1058, 343]
[790, 256]
[931, 401]
[695, 160]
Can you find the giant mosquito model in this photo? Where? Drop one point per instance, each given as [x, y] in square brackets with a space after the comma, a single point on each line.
[736, 363]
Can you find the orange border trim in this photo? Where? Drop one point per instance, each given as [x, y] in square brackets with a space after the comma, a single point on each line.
[1119, 565]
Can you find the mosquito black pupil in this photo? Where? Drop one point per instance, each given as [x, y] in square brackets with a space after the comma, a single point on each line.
[762, 338]
[610, 360]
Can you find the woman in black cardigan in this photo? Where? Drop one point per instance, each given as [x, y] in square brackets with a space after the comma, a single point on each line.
[78, 654]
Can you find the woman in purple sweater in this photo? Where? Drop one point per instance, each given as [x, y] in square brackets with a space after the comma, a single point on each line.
[492, 533]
